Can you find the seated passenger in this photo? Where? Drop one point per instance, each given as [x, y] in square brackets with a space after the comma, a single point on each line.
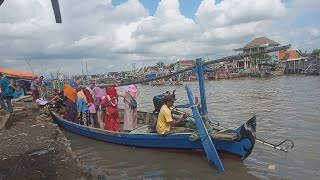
[18, 91]
[166, 121]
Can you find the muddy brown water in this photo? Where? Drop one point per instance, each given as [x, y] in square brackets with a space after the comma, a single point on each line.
[286, 107]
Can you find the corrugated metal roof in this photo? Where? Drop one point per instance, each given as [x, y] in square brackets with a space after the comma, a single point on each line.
[17, 74]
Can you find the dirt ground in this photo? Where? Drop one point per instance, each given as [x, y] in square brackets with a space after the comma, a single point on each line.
[33, 147]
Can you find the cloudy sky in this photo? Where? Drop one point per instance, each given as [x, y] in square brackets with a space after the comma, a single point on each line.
[111, 35]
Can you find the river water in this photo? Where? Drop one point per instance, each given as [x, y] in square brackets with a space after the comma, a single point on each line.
[286, 107]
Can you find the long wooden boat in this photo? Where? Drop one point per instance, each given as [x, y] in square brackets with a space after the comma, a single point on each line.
[238, 148]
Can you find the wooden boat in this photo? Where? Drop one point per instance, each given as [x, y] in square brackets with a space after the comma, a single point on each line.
[238, 148]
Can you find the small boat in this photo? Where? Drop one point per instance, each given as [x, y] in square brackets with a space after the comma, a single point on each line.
[237, 144]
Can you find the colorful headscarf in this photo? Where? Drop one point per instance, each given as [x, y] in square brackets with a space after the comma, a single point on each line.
[132, 88]
[88, 96]
[98, 92]
[70, 93]
[112, 93]
[80, 94]
[91, 92]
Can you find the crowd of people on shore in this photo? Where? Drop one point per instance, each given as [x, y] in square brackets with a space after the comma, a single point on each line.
[97, 107]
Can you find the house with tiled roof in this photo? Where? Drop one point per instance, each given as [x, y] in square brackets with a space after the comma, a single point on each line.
[293, 62]
[288, 54]
[257, 44]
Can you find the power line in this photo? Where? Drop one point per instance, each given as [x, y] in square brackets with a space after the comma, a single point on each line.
[309, 40]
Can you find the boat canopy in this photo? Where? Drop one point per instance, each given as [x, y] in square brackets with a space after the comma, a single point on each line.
[17, 74]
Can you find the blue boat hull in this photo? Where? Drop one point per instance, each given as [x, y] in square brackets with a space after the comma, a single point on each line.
[239, 149]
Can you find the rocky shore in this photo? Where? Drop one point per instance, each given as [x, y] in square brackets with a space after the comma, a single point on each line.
[33, 147]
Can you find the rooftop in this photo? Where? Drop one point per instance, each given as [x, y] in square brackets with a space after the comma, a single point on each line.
[289, 54]
[17, 74]
[259, 42]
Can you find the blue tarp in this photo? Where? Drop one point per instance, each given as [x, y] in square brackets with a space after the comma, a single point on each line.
[72, 83]
[151, 76]
[49, 84]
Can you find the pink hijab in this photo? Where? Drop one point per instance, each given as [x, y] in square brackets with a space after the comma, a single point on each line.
[98, 92]
[132, 88]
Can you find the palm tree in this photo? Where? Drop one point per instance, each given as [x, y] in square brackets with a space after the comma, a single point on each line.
[303, 54]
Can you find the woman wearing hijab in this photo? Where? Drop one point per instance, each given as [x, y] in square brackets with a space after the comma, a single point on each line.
[92, 108]
[70, 103]
[99, 95]
[82, 108]
[112, 117]
[130, 115]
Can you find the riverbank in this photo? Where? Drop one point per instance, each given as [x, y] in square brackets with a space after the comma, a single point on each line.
[33, 147]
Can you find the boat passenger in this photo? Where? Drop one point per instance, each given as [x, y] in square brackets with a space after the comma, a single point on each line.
[92, 108]
[19, 92]
[70, 95]
[112, 122]
[82, 108]
[55, 97]
[6, 93]
[130, 107]
[98, 96]
[166, 121]
[56, 101]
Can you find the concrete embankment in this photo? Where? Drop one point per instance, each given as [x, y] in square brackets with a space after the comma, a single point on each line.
[33, 147]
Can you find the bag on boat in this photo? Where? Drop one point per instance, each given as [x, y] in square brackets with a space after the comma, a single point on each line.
[132, 103]
[158, 102]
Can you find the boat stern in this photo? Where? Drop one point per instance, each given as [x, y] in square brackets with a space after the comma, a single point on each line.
[247, 132]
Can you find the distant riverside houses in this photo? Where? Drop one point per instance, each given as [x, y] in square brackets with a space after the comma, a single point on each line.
[258, 44]
[293, 62]
[251, 64]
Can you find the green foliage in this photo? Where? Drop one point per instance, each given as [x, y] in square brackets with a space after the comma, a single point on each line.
[316, 52]
[160, 64]
[303, 54]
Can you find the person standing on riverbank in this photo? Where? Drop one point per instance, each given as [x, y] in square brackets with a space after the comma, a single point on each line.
[130, 115]
[34, 89]
[7, 93]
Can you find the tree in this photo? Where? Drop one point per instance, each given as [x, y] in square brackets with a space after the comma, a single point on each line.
[160, 64]
[172, 65]
[303, 54]
[316, 52]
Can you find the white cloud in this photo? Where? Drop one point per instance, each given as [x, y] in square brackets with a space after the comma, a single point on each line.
[113, 38]
[314, 31]
[230, 12]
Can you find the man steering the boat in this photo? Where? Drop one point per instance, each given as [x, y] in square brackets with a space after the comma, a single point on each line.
[166, 122]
